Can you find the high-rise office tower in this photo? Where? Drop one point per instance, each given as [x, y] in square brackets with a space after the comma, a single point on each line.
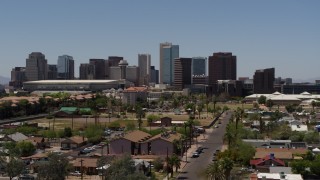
[222, 66]
[113, 61]
[86, 71]
[144, 63]
[65, 67]
[18, 76]
[154, 75]
[36, 67]
[133, 74]
[99, 68]
[263, 81]
[182, 72]
[52, 72]
[168, 53]
[199, 66]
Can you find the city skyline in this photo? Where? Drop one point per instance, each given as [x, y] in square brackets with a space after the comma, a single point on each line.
[283, 35]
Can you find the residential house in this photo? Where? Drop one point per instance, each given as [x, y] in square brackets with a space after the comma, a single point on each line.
[34, 160]
[74, 142]
[263, 164]
[163, 144]
[39, 142]
[131, 143]
[285, 154]
[16, 137]
[88, 165]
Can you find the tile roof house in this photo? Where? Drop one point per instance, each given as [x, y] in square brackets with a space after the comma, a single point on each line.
[73, 142]
[163, 143]
[39, 142]
[280, 153]
[16, 137]
[89, 165]
[263, 164]
[131, 142]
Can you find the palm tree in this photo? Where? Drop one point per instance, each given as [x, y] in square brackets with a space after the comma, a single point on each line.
[226, 165]
[313, 104]
[228, 136]
[214, 171]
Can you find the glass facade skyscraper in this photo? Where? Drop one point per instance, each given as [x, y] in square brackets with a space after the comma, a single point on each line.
[168, 53]
[199, 66]
[65, 67]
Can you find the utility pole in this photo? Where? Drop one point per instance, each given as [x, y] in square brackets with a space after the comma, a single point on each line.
[81, 169]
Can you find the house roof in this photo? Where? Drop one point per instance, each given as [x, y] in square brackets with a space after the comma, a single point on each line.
[299, 127]
[69, 109]
[18, 137]
[76, 139]
[136, 89]
[257, 162]
[86, 162]
[277, 176]
[170, 137]
[280, 155]
[137, 136]
[36, 139]
[36, 156]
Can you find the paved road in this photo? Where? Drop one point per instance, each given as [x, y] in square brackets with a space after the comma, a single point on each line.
[196, 166]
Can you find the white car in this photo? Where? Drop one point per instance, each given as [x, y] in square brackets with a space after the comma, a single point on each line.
[76, 173]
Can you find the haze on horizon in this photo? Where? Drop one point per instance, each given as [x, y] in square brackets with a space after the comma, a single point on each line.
[262, 34]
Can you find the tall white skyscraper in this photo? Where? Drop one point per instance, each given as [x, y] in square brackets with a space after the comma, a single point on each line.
[168, 53]
[144, 63]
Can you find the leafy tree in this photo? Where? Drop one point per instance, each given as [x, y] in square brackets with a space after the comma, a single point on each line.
[26, 148]
[245, 153]
[311, 137]
[262, 100]
[300, 167]
[55, 168]
[269, 103]
[123, 168]
[151, 118]
[315, 167]
[158, 164]
[93, 133]
[130, 126]
[67, 132]
[14, 167]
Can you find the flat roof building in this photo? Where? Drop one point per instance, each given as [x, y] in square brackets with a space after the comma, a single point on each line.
[74, 85]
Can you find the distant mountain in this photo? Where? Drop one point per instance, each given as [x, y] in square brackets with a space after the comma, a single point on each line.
[4, 80]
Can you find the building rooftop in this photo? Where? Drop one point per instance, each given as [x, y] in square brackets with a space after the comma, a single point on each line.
[70, 81]
[137, 136]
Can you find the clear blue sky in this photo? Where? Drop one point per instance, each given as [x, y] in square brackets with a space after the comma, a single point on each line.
[282, 34]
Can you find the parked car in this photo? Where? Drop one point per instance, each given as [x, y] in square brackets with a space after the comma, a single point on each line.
[195, 154]
[85, 151]
[75, 173]
[64, 148]
[199, 150]
[216, 126]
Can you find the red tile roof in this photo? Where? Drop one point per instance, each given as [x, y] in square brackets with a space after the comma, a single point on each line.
[257, 162]
[136, 89]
